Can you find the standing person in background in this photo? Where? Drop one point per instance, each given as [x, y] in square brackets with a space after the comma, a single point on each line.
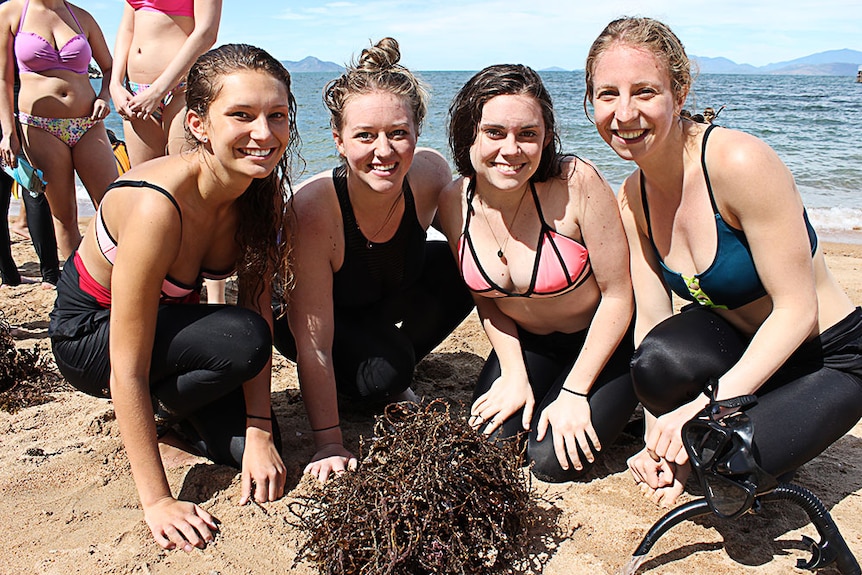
[122, 327]
[541, 246]
[59, 112]
[373, 297]
[38, 216]
[157, 43]
[715, 216]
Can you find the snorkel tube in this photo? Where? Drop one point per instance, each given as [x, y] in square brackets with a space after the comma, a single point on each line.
[719, 445]
[832, 548]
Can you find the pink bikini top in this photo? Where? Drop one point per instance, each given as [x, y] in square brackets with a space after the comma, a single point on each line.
[36, 54]
[562, 264]
[167, 7]
[172, 290]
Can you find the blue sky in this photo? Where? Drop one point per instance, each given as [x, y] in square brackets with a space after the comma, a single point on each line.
[471, 34]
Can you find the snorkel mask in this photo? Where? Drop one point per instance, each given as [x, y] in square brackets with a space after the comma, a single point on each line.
[719, 446]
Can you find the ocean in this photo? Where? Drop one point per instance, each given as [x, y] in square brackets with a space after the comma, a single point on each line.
[810, 121]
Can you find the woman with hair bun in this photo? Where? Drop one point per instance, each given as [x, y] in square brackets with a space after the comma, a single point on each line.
[373, 296]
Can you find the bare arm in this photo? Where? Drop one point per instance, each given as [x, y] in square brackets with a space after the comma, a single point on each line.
[149, 239]
[9, 144]
[311, 318]
[761, 193]
[652, 298]
[263, 471]
[125, 32]
[609, 257]
[102, 55]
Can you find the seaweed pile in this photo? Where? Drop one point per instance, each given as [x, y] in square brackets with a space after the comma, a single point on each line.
[432, 495]
[25, 377]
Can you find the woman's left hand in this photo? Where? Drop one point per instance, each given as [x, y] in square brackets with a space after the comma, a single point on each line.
[263, 471]
[144, 104]
[664, 440]
[572, 427]
[101, 109]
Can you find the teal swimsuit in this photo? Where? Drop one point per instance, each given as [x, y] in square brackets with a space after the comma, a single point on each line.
[731, 281]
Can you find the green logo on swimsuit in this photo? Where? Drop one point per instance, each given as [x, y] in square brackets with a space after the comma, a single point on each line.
[693, 285]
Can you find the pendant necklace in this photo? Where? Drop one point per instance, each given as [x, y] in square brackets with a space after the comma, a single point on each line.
[368, 243]
[501, 248]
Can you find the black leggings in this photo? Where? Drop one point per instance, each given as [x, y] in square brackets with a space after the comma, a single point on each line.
[374, 357]
[41, 227]
[549, 359]
[202, 354]
[813, 399]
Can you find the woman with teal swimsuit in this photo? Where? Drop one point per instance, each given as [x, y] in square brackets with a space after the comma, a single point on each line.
[715, 216]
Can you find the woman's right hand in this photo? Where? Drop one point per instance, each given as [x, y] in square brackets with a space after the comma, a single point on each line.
[180, 524]
[506, 396]
[121, 96]
[331, 459]
[10, 147]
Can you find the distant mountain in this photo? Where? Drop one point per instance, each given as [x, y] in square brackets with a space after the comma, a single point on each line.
[311, 64]
[830, 63]
[553, 69]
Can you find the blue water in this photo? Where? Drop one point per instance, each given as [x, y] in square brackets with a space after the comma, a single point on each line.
[810, 121]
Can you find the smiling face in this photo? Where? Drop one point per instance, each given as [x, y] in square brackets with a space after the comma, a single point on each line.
[509, 142]
[633, 100]
[247, 126]
[377, 140]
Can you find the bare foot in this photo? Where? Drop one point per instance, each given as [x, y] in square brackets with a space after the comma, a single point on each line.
[19, 229]
[667, 496]
[177, 453]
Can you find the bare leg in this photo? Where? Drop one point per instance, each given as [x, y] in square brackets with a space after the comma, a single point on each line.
[94, 161]
[19, 226]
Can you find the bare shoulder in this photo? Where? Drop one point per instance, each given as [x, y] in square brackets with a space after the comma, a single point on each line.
[84, 17]
[429, 170]
[732, 149]
[451, 207]
[584, 174]
[10, 13]
[315, 206]
[739, 162]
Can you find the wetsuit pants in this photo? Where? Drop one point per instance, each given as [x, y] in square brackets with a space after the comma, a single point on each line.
[202, 354]
[812, 401]
[549, 359]
[41, 227]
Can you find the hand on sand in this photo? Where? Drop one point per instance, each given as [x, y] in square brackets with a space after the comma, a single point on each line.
[331, 459]
[179, 524]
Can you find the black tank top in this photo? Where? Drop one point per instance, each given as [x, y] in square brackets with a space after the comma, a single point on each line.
[370, 275]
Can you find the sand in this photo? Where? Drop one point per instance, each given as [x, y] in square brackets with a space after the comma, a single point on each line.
[68, 503]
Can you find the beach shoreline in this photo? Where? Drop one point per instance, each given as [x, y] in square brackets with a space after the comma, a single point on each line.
[69, 503]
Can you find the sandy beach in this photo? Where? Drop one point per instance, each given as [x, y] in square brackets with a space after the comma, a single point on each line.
[68, 502]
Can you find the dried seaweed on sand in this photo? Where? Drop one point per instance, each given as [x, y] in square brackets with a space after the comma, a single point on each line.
[431, 495]
[25, 377]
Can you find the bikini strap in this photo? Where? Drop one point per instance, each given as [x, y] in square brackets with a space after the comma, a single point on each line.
[703, 165]
[75, 18]
[23, 15]
[646, 206]
[145, 184]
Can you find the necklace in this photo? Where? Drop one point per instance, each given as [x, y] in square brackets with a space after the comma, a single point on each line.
[368, 242]
[501, 248]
